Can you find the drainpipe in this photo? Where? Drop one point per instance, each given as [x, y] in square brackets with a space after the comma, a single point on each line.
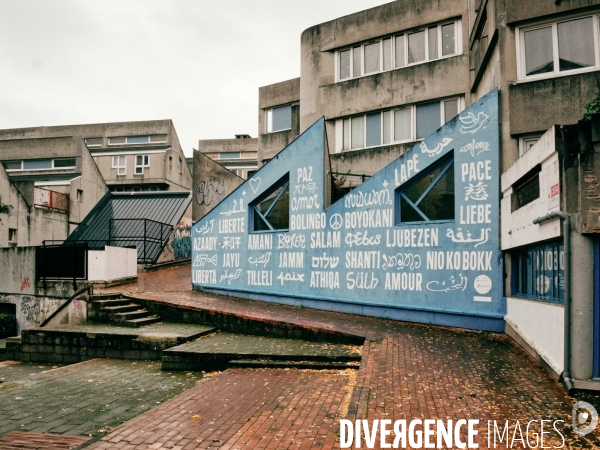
[567, 301]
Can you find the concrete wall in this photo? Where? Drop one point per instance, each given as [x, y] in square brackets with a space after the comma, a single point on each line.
[528, 106]
[320, 95]
[212, 183]
[173, 174]
[179, 245]
[18, 286]
[168, 166]
[545, 334]
[112, 263]
[283, 93]
[247, 147]
[84, 185]
[517, 226]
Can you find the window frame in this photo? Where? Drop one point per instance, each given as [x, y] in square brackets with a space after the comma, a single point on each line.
[269, 118]
[446, 162]
[116, 165]
[148, 136]
[527, 141]
[393, 63]
[53, 166]
[518, 281]
[520, 48]
[253, 206]
[89, 144]
[145, 163]
[339, 147]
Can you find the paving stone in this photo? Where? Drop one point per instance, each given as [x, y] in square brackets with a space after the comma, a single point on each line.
[83, 398]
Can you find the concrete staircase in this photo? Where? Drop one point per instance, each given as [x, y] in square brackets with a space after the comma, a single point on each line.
[107, 308]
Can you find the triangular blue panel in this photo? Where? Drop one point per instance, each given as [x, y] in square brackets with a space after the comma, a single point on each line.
[418, 241]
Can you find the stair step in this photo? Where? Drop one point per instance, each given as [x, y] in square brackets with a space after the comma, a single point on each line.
[142, 321]
[274, 364]
[107, 296]
[129, 315]
[111, 302]
[121, 308]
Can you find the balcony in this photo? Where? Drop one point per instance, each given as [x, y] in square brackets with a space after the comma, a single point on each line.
[51, 199]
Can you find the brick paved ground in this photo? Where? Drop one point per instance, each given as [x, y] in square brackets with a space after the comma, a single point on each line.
[408, 371]
[244, 408]
[83, 398]
[36, 441]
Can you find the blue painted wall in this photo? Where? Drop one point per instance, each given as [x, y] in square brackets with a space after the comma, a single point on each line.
[357, 256]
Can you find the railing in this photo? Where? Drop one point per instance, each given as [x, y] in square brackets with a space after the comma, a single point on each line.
[343, 183]
[149, 236]
[51, 199]
[62, 262]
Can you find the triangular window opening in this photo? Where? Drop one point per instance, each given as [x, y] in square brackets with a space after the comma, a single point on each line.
[430, 197]
[271, 212]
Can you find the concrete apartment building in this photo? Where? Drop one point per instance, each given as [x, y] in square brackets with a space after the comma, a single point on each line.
[544, 59]
[383, 79]
[132, 156]
[278, 117]
[237, 155]
[49, 185]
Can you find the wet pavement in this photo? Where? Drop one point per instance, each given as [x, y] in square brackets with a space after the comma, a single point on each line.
[407, 372]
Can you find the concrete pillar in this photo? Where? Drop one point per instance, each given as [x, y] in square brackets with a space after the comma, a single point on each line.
[582, 306]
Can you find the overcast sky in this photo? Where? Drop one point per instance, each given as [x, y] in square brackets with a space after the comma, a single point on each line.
[197, 62]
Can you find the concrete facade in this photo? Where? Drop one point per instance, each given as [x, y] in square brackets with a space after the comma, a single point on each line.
[402, 85]
[46, 203]
[237, 155]
[537, 94]
[212, 183]
[148, 152]
[285, 93]
[34, 303]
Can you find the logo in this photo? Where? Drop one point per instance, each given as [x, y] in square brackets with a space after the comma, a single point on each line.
[585, 418]
[336, 221]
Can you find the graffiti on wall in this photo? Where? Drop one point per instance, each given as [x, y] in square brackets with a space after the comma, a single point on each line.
[182, 241]
[422, 234]
[210, 192]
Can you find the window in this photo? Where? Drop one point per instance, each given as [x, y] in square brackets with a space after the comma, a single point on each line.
[13, 165]
[404, 124]
[40, 164]
[93, 142]
[37, 164]
[230, 155]
[429, 197]
[527, 189]
[559, 47]
[64, 163]
[141, 161]
[279, 118]
[414, 47]
[80, 195]
[12, 235]
[271, 212]
[528, 141]
[131, 140]
[120, 163]
[538, 272]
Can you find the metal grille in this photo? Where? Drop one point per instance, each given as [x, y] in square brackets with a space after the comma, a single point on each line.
[148, 236]
[61, 262]
[539, 272]
[51, 199]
